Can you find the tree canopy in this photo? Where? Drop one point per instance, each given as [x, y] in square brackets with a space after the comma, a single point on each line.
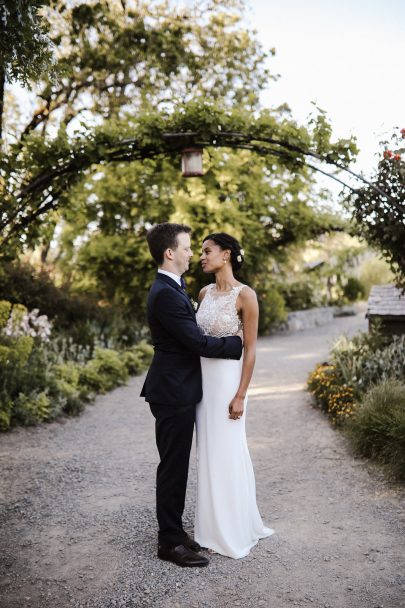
[380, 215]
[25, 50]
[98, 161]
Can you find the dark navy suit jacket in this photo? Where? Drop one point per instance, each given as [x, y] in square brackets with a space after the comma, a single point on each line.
[174, 376]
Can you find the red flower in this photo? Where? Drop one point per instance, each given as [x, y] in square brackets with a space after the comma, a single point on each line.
[403, 132]
[397, 157]
[387, 154]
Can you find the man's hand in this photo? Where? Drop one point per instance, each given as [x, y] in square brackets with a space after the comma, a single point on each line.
[236, 408]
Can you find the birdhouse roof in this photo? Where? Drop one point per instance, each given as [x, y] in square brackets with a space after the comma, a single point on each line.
[386, 301]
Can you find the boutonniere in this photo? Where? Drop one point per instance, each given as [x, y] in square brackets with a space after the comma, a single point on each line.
[194, 304]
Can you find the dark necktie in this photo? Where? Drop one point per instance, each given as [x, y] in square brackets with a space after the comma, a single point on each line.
[182, 283]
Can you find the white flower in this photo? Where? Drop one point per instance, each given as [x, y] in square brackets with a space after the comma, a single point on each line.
[194, 304]
[242, 252]
[239, 258]
[30, 324]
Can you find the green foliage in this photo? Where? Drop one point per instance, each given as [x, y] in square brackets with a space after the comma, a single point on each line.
[375, 271]
[363, 388]
[110, 368]
[22, 283]
[31, 409]
[5, 308]
[377, 429]
[272, 310]
[133, 362]
[91, 380]
[6, 407]
[138, 358]
[300, 294]
[354, 289]
[139, 74]
[79, 320]
[38, 381]
[25, 49]
[369, 358]
[147, 55]
[381, 219]
[105, 371]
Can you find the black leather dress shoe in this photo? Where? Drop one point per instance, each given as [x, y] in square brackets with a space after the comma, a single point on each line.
[182, 556]
[191, 544]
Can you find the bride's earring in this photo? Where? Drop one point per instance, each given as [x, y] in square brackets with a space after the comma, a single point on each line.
[224, 261]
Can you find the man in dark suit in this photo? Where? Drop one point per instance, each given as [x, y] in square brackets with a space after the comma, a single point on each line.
[173, 385]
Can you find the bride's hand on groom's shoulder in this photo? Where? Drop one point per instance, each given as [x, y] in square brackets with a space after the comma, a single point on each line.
[236, 407]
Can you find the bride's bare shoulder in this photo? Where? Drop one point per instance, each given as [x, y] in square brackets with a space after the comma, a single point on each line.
[247, 296]
[247, 292]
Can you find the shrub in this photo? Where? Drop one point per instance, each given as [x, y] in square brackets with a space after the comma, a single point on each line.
[90, 380]
[272, 310]
[146, 350]
[109, 364]
[300, 295]
[65, 389]
[322, 382]
[331, 394]
[354, 290]
[377, 429]
[375, 271]
[5, 309]
[31, 409]
[21, 283]
[341, 404]
[105, 371]
[6, 406]
[133, 361]
[368, 359]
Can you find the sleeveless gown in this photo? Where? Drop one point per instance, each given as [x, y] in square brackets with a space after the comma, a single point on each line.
[227, 519]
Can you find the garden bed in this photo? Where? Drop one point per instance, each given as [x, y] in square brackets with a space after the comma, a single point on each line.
[362, 390]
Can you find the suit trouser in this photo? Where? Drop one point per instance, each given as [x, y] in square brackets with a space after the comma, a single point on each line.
[174, 427]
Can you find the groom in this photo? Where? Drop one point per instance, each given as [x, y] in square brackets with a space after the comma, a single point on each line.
[173, 385]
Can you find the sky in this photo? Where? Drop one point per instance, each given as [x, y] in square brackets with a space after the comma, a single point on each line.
[348, 56]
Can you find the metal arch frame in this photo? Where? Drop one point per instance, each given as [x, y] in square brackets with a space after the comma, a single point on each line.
[241, 141]
[129, 149]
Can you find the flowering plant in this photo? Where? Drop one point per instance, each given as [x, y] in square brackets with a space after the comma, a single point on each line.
[22, 322]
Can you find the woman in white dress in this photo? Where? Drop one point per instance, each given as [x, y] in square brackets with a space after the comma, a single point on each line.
[227, 518]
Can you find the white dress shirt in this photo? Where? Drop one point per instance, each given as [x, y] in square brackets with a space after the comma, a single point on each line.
[172, 275]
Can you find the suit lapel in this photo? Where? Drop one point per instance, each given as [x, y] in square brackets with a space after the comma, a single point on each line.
[166, 279]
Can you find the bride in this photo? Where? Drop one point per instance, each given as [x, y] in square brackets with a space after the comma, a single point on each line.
[227, 518]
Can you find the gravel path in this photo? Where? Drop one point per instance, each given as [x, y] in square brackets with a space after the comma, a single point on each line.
[78, 521]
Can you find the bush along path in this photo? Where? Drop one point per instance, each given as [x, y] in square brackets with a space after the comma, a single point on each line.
[362, 389]
[44, 375]
[78, 519]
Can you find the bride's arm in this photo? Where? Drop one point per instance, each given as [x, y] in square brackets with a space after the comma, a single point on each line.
[250, 317]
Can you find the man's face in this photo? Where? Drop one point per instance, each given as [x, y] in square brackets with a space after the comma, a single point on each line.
[182, 254]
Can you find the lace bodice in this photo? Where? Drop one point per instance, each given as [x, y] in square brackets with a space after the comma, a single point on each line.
[217, 314]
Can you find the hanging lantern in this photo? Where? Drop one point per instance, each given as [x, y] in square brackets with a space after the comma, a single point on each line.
[191, 162]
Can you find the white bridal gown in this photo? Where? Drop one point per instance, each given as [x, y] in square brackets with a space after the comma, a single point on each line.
[227, 518]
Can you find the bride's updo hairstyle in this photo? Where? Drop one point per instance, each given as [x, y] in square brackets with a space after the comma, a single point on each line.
[226, 241]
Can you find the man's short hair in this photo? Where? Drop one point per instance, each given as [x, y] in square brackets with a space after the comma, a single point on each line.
[164, 236]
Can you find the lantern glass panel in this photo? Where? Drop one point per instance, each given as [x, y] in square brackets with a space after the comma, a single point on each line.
[191, 162]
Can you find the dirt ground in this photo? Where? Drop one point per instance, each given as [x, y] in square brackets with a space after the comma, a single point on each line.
[77, 506]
